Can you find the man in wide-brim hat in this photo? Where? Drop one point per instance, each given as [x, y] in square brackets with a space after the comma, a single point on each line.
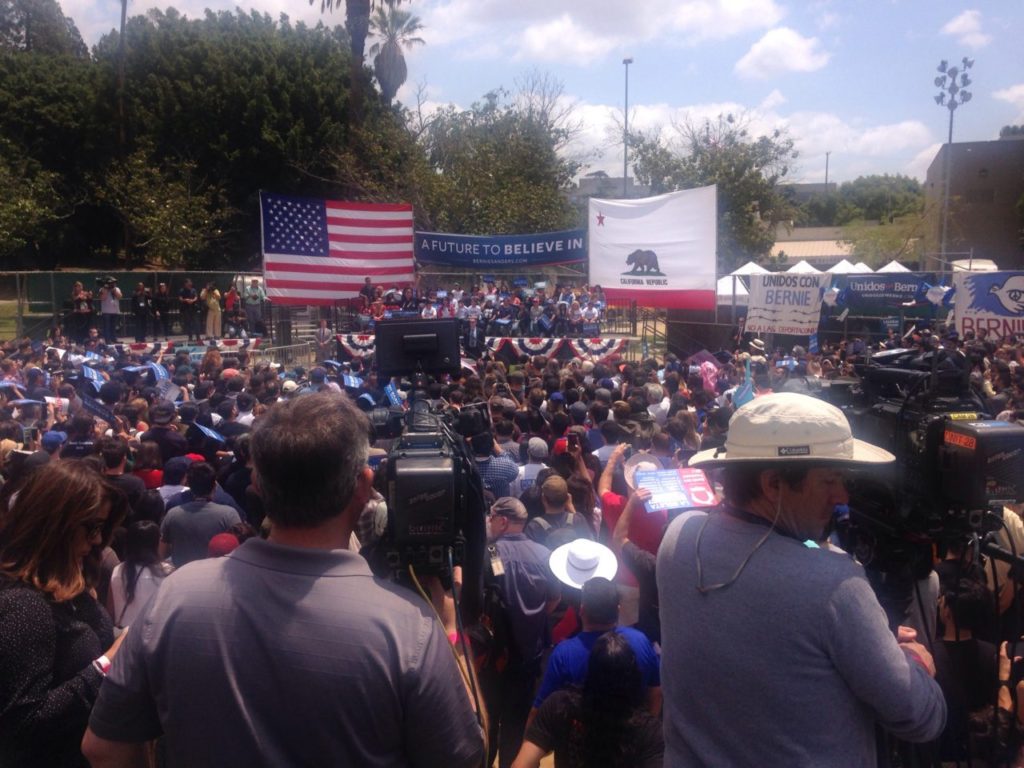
[776, 651]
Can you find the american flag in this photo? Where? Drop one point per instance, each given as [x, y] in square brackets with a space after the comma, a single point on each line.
[320, 251]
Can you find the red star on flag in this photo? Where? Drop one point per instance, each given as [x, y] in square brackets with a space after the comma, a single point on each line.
[600, 219]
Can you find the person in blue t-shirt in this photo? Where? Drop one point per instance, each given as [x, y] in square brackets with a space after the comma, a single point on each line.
[599, 613]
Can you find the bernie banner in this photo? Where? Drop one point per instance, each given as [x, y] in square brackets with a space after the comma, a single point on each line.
[786, 303]
[658, 251]
[490, 252]
[884, 294]
[989, 304]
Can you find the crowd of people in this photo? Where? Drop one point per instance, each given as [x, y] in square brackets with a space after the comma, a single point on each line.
[493, 308]
[180, 577]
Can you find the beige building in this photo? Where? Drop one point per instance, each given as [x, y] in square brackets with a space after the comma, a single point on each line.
[986, 208]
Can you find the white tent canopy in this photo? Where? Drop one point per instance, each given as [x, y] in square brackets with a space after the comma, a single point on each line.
[893, 266]
[802, 267]
[843, 267]
[862, 269]
[725, 290]
[750, 268]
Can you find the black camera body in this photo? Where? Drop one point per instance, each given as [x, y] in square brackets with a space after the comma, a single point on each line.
[955, 467]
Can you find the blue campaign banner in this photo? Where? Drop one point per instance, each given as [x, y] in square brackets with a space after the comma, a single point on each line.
[492, 251]
[885, 294]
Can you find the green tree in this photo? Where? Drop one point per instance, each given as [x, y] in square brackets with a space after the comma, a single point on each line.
[29, 206]
[498, 168]
[746, 168]
[172, 218]
[877, 243]
[397, 30]
[39, 26]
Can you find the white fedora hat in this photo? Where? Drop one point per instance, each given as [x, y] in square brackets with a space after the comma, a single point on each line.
[792, 428]
[579, 561]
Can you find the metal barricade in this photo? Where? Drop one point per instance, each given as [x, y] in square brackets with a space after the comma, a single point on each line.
[303, 353]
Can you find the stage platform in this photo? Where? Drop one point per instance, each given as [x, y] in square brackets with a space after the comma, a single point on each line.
[509, 349]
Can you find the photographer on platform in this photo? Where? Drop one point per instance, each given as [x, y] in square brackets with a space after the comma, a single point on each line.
[757, 619]
[110, 307]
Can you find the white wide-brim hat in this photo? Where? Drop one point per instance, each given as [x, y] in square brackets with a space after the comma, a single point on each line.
[788, 427]
[581, 560]
[639, 462]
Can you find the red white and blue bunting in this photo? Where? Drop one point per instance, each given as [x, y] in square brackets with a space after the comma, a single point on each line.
[358, 345]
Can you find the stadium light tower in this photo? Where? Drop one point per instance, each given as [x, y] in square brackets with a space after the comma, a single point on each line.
[952, 83]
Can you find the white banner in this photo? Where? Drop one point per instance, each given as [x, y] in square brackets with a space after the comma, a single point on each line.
[989, 304]
[659, 251]
[786, 302]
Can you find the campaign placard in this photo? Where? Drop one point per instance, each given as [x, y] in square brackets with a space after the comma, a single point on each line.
[786, 303]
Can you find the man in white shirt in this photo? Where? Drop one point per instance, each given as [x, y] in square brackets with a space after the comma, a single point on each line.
[110, 309]
[536, 452]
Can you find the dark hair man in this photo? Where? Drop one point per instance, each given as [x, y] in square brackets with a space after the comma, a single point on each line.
[187, 528]
[753, 610]
[304, 657]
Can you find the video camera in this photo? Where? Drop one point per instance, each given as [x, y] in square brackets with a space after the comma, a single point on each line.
[955, 467]
[106, 282]
[436, 510]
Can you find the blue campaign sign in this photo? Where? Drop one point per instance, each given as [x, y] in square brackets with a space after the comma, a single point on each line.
[884, 294]
[493, 251]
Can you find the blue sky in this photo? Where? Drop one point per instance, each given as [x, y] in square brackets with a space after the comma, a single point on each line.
[851, 78]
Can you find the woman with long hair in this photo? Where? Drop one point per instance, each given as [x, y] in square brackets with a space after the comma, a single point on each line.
[138, 576]
[56, 641]
[606, 725]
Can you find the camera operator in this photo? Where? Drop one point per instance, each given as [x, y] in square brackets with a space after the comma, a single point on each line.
[753, 611]
[110, 307]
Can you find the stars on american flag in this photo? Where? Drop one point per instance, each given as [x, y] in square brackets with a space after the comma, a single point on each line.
[295, 225]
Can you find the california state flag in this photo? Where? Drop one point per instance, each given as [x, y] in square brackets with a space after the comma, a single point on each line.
[659, 251]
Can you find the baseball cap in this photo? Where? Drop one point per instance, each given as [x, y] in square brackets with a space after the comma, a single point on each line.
[790, 427]
[289, 386]
[557, 397]
[536, 448]
[53, 440]
[162, 413]
[511, 507]
[222, 544]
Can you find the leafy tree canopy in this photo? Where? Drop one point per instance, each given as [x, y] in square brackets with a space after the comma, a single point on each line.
[39, 26]
[746, 168]
[498, 166]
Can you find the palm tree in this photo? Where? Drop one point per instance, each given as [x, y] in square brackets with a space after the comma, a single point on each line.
[397, 30]
[357, 21]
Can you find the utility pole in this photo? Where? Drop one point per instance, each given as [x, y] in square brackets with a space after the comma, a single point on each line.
[829, 152]
[625, 133]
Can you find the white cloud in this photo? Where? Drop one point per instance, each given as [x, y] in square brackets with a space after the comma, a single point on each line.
[562, 39]
[569, 31]
[857, 147]
[918, 167]
[966, 28]
[1015, 96]
[782, 50]
[772, 100]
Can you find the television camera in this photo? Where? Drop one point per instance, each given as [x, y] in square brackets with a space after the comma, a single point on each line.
[436, 509]
[955, 468]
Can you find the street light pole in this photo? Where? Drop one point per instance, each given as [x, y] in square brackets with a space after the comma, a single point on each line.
[625, 133]
[826, 170]
[952, 83]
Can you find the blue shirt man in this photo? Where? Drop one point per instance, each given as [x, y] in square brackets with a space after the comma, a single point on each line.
[599, 612]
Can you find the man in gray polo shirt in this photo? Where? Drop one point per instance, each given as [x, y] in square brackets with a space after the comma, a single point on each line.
[288, 651]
